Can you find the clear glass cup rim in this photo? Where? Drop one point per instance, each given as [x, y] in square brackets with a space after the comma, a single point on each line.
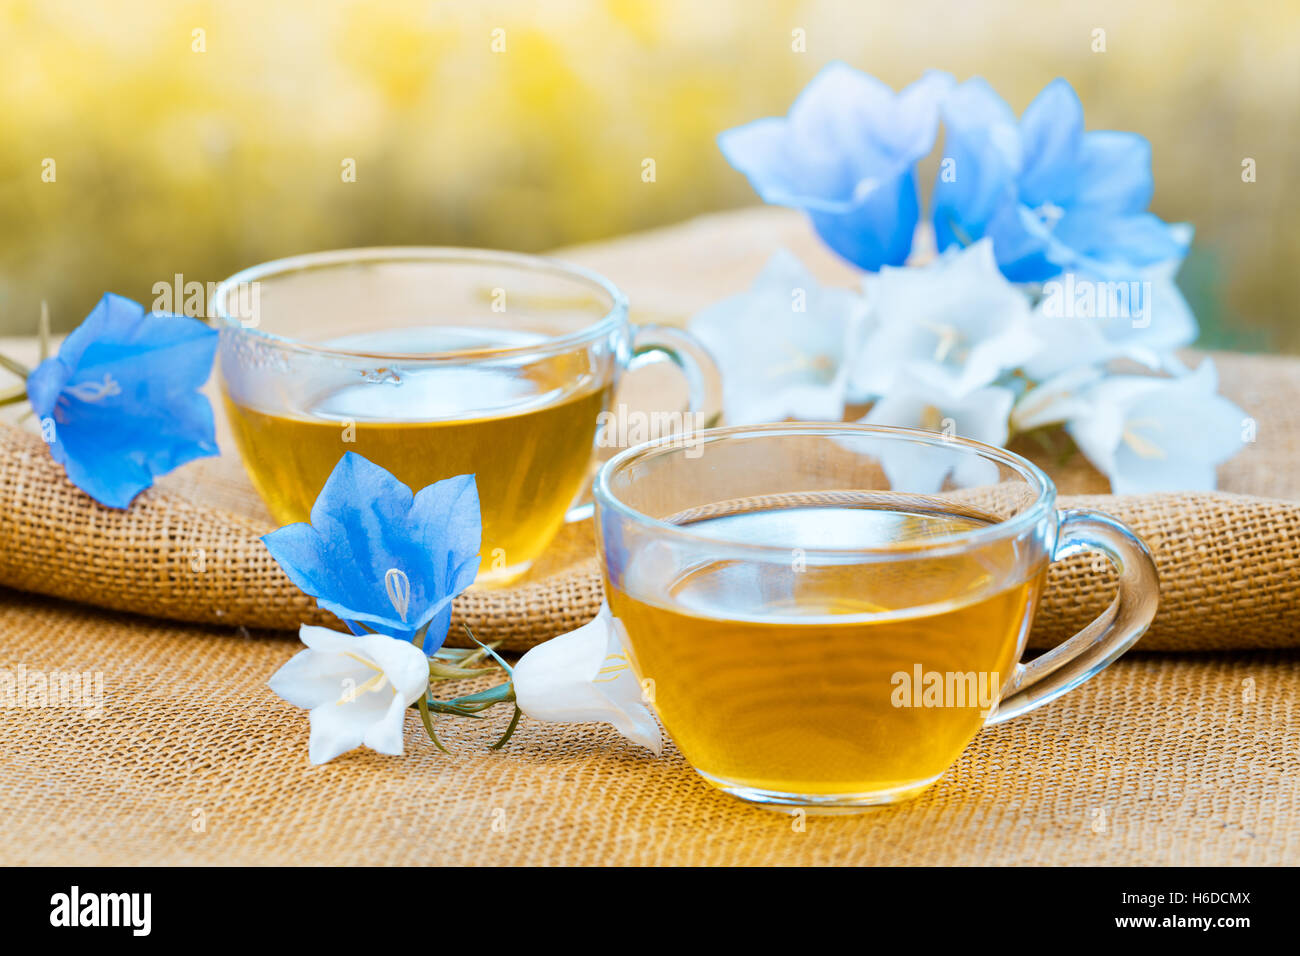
[1044, 488]
[615, 315]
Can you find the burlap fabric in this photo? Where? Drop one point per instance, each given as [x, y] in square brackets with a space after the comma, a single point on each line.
[1175, 759]
[190, 550]
[1161, 759]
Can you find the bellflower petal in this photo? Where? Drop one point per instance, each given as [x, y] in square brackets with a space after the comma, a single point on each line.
[1051, 132]
[981, 415]
[781, 345]
[1151, 434]
[1051, 196]
[876, 230]
[981, 162]
[122, 393]
[357, 688]
[846, 155]
[1088, 320]
[1056, 400]
[1111, 245]
[375, 554]
[955, 323]
[586, 676]
[1114, 172]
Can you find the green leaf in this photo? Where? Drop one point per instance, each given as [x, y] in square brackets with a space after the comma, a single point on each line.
[489, 649]
[483, 699]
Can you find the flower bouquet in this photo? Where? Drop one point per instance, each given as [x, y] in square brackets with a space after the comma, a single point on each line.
[1038, 296]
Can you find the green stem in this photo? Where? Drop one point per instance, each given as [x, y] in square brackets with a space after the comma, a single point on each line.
[514, 722]
[476, 654]
[15, 366]
[428, 724]
[14, 396]
[462, 656]
[442, 707]
[441, 671]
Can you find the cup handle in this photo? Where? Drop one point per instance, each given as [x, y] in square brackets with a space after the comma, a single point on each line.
[660, 343]
[1068, 665]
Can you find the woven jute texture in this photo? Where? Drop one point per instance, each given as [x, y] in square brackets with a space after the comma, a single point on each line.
[1160, 759]
[189, 549]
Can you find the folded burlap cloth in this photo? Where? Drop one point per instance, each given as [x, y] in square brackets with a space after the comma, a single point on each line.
[1160, 759]
[189, 549]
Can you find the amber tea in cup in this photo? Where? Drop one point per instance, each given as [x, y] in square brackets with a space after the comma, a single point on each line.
[528, 444]
[432, 363]
[825, 616]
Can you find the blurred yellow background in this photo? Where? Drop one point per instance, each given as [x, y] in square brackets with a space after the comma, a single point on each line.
[199, 138]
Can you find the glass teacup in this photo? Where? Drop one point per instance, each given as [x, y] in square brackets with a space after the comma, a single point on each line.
[434, 362]
[824, 616]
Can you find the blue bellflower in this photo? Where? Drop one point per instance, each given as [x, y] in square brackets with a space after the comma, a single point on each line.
[122, 394]
[1052, 197]
[376, 555]
[846, 154]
